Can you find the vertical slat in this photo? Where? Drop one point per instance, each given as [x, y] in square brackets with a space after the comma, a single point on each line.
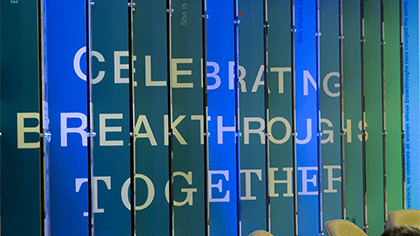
[352, 115]
[331, 127]
[266, 117]
[42, 130]
[151, 109]
[411, 102]
[89, 106]
[307, 115]
[342, 134]
[402, 111]
[393, 105]
[362, 44]
[66, 47]
[293, 88]
[132, 119]
[318, 109]
[205, 115]
[252, 108]
[237, 113]
[170, 115]
[110, 95]
[222, 181]
[374, 116]
[279, 118]
[187, 99]
[383, 113]
[22, 211]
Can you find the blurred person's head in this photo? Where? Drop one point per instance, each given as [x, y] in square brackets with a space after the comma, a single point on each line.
[402, 231]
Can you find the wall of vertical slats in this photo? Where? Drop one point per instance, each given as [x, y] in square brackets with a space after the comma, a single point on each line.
[207, 117]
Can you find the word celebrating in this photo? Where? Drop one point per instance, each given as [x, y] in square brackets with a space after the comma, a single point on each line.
[178, 74]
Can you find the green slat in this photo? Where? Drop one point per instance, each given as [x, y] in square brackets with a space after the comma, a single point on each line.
[352, 112]
[280, 107]
[330, 110]
[20, 154]
[111, 150]
[394, 178]
[187, 99]
[373, 103]
[151, 106]
[252, 110]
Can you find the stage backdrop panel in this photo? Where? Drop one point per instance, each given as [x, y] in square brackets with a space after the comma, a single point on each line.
[251, 80]
[393, 105]
[280, 117]
[223, 164]
[111, 156]
[411, 102]
[66, 37]
[151, 114]
[372, 57]
[189, 151]
[20, 144]
[307, 117]
[352, 112]
[330, 110]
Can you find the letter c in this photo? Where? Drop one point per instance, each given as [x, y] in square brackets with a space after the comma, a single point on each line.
[78, 70]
